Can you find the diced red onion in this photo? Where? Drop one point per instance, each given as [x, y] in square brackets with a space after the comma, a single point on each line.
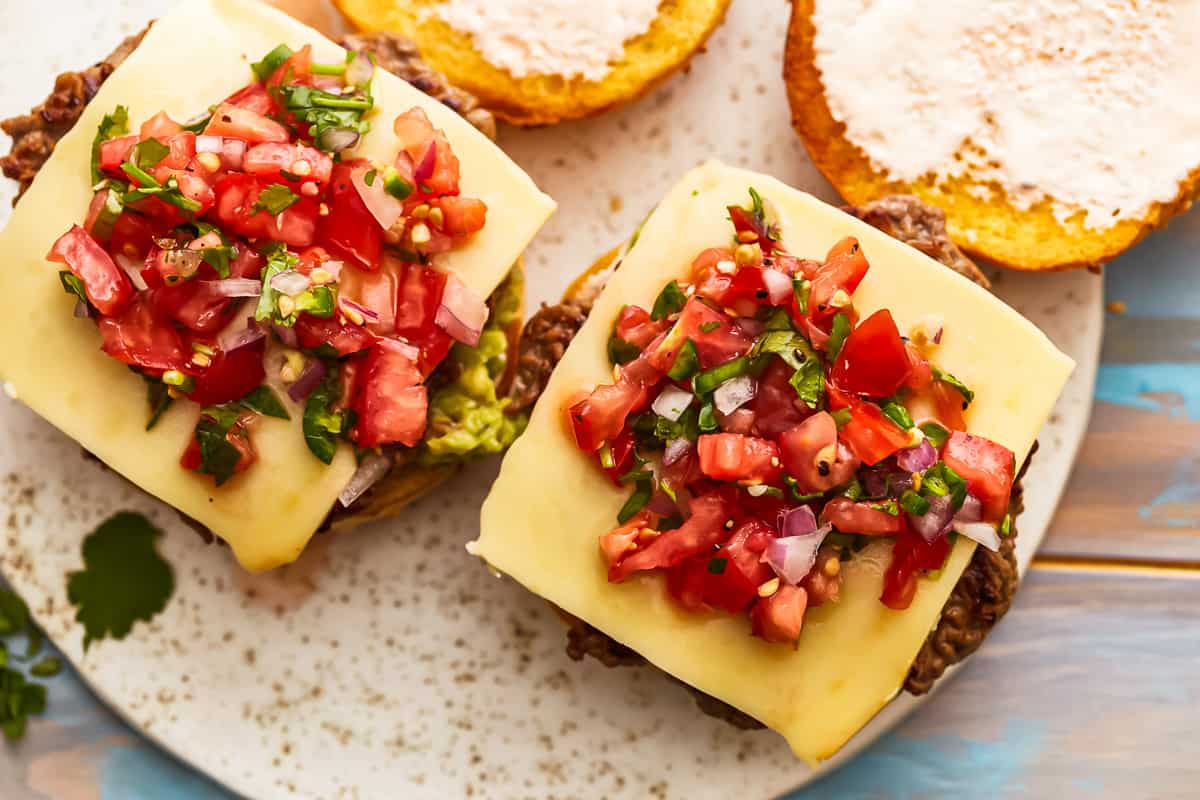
[981, 532]
[971, 511]
[369, 472]
[424, 168]
[750, 326]
[232, 339]
[290, 282]
[233, 153]
[735, 393]
[779, 286]
[793, 557]
[132, 268]
[934, 522]
[286, 335]
[368, 314]
[875, 483]
[662, 504]
[208, 144]
[308, 381]
[359, 70]
[335, 140]
[797, 521]
[234, 287]
[676, 449]
[81, 310]
[917, 459]
[383, 207]
[672, 402]
[461, 313]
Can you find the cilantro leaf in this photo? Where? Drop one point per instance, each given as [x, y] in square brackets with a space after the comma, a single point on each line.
[159, 398]
[621, 351]
[837, 336]
[113, 125]
[940, 374]
[72, 285]
[124, 578]
[897, 413]
[275, 199]
[264, 401]
[278, 261]
[687, 362]
[935, 433]
[669, 300]
[271, 61]
[321, 425]
[219, 457]
[14, 614]
[148, 153]
[637, 501]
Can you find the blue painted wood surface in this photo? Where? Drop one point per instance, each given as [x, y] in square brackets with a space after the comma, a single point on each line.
[1088, 689]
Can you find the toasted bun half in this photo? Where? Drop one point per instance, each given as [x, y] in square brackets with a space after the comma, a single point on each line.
[681, 28]
[980, 220]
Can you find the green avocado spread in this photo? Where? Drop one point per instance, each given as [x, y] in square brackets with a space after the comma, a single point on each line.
[467, 420]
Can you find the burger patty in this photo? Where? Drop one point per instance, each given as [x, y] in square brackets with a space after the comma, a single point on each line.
[35, 134]
[984, 592]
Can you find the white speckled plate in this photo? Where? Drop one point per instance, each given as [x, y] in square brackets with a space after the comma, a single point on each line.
[389, 664]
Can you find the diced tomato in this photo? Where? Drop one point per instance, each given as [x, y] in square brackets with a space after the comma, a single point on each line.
[739, 421]
[732, 585]
[391, 400]
[350, 229]
[870, 435]
[619, 541]
[776, 407]
[132, 236]
[137, 338]
[195, 304]
[242, 123]
[988, 468]
[822, 587]
[115, 152]
[744, 222]
[910, 554]
[710, 281]
[811, 455]
[106, 285]
[919, 371]
[601, 415]
[417, 134]
[420, 292]
[704, 529]
[948, 405]
[851, 517]
[183, 150]
[253, 98]
[248, 263]
[734, 457]
[191, 186]
[779, 618]
[297, 69]
[635, 326]
[747, 292]
[236, 195]
[100, 233]
[160, 126]
[873, 360]
[462, 216]
[270, 159]
[844, 268]
[376, 290]
[686, 582]
[231, 376]
[344, 337]
[714, 335]
[622, 449]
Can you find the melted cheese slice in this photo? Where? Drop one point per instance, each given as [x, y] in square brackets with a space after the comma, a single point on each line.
[541, 522]
[190, 60]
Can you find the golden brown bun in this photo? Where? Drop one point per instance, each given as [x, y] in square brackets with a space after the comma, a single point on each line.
[680, 30]
[1030, 239]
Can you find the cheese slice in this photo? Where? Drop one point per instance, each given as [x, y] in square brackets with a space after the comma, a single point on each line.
[541, 522]
[190, 60]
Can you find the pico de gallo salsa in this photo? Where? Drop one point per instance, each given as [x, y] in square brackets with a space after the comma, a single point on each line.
[767, 434]
[251, 248]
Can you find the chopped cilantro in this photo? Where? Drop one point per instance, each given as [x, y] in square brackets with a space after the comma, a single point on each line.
[709, 327]
[113, 125]
[669, 300]
[72, 285]
[940, 374]
[124, 578]
[935, 433]
[14, 614]
[334, 121]
[148, 152]
[637, 501]
[854, 490]
[670, 523]
[621, 351]
[687, 362]
[717, 565]
[279, 260]
[275, 199]
[219, 457]
[897, 413]
[263, 400]
[159, 399]
[707, 420]
[837, 336]
[941, 480]
[322, 425]
[271, 61]
[914, 503]
[801, 288]
[48, 667]
[842, 417]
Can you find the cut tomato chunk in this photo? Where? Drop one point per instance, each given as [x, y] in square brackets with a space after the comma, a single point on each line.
[417, 135]
[114, 153]
[811, 454]
[106, 285]
[236, 196]
[345, 338]
[391, 400]
[350, 229]
[873, 359]
[231, 375]
[253, 98]
[272, 159]
[242, 123]
[734, 457]
[462, 216]
[987, 467]
[844, 269]
[138, 338]
[700, 533]
[910, 555]
[870, 435]
[779, 618]
[851, 517]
